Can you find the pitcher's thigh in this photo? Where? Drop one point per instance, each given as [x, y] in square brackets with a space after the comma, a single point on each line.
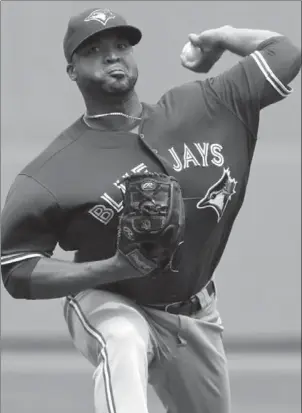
[98, 318]
[196, 379]
[114, 336]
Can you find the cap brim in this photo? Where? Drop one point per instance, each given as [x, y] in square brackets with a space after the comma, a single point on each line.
[133, 34]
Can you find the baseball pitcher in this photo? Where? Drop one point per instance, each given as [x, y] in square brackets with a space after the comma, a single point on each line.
[146, 196]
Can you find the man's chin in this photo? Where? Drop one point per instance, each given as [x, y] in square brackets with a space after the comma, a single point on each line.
[119, 87]
[118, 91]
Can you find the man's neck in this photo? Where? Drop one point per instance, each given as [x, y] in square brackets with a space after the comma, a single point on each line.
[129, 105]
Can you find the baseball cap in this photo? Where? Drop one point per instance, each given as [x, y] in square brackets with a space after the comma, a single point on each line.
[92, 21]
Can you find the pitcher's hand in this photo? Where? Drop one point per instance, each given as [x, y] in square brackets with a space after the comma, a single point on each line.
[209, 43]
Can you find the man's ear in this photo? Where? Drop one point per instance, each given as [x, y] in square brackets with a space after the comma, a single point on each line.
[71, 71]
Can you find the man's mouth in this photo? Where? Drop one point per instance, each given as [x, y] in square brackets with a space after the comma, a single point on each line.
[116, 72]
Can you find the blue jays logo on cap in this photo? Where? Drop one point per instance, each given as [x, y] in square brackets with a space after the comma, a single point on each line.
[102, 16]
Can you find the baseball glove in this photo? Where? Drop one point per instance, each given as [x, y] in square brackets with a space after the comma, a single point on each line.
[151, 226]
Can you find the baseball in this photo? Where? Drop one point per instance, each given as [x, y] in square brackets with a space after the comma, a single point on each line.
[190, 54]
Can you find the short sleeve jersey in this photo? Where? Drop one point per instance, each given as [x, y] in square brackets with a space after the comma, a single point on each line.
[203, 133]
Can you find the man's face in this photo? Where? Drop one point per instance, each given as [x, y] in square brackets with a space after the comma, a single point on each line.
[105, 63]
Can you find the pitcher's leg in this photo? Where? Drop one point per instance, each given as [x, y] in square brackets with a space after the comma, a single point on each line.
[115, 337]
[123, 359]
[196, 379]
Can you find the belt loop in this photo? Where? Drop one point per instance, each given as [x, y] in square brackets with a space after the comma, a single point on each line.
[215, 289]
[204, 297]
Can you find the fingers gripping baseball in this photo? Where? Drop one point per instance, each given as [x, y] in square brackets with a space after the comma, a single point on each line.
[191, 55]
[202, 51]
[152, 223]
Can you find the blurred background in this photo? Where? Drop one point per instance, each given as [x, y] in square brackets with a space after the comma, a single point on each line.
[258, 279]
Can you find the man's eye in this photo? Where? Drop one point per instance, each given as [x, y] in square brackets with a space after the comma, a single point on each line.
[93, 49]
[122, 46]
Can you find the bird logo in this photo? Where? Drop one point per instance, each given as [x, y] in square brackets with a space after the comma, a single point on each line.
[102, 16]
[219, 194]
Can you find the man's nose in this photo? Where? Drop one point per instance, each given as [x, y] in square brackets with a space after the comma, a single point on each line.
[111, 58]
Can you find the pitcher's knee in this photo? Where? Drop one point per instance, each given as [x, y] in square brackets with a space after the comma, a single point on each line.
[124, 334]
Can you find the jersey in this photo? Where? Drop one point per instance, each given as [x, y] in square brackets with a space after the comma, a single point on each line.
[203, 133]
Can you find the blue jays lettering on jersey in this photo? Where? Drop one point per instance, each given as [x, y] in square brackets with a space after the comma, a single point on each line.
[203, 133]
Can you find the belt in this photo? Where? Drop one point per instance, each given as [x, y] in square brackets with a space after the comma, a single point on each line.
[188, 307]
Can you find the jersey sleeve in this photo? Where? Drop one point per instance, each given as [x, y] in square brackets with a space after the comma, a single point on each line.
[258, 80]
[29, 222]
